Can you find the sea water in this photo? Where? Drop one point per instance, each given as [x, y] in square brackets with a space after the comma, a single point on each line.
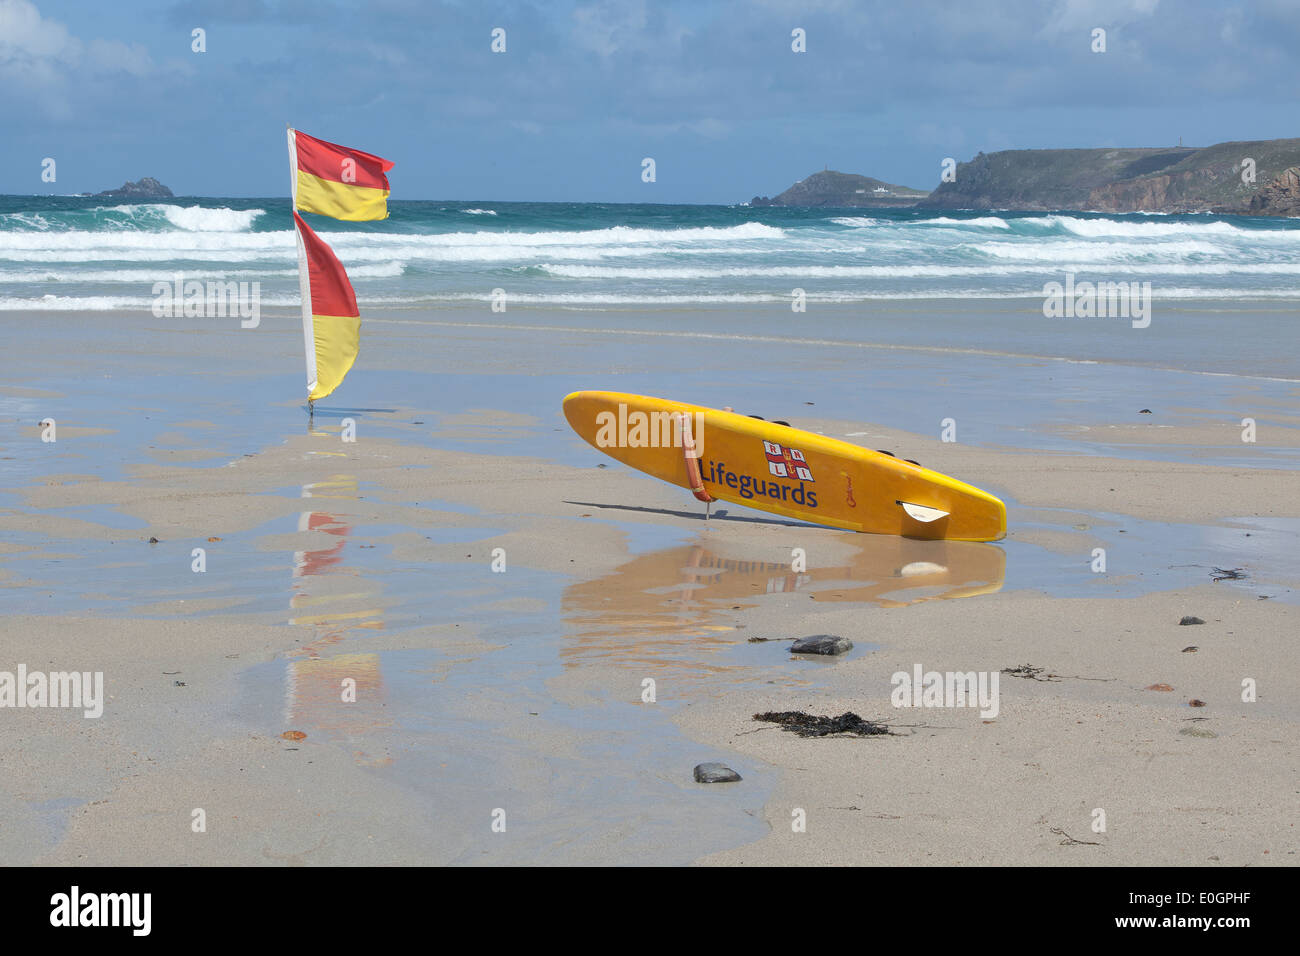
[93, 253]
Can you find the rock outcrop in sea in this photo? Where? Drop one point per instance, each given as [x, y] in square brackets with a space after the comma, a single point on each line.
[842, 190]
[146, 188]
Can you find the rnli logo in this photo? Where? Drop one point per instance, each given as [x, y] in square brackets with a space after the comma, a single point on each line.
[786, 462]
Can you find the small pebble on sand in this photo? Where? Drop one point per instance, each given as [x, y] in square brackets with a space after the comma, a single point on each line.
[715, 773]
[821, 644]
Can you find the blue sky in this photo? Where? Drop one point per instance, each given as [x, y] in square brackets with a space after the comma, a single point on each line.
[711, 90]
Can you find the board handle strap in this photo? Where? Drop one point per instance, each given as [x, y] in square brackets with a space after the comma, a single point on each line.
[692, 460]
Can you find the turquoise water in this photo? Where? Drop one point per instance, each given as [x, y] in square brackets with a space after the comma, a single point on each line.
[84, 253]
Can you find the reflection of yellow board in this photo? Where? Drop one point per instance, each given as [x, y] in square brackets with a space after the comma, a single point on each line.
[784, 470]
[916, 571]
[679, 590]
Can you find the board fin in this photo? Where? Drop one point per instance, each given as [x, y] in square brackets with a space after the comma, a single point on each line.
[921, 567]
[923, 513]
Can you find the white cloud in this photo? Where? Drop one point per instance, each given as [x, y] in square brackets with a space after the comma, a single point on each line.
[113, 56]
[707, 127]
[606, 26]
[25, 35]
[1082, 15]
[35, 56]
[42, 61]
[32, 46]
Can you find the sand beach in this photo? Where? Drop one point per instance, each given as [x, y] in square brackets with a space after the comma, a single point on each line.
[519, 694]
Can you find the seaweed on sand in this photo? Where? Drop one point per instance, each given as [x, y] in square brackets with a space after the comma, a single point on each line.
[812, 725]
[1030, 672]
[1228, 574]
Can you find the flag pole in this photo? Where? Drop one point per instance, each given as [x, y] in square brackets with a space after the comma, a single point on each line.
[304, 276]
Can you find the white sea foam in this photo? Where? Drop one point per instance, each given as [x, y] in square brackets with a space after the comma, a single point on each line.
[387, 270]
[100, 244]
[575, 299]
[790, 272]
[1053, 268]
[480, 212]
[706, 298]
[858, 221]
[203, 219]
[138, 217]
[94, 246]
[837, 297]
[106, 303]
[86, 246]
[1107, 228]
[614, 234]
[978, 222]
[1061, 250]
[24, 220]
[186, 218]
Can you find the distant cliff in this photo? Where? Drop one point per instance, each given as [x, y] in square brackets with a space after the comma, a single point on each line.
[1167, 179]
[146, 188]
[1281, 197]
[829, 188]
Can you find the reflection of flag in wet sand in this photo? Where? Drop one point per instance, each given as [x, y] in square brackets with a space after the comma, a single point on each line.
[332, 600]
[325, 592]
[307, 563]
[316, 694]
[673, 597]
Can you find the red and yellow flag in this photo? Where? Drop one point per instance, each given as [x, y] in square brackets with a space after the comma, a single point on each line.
[331, 323]
[336, 181]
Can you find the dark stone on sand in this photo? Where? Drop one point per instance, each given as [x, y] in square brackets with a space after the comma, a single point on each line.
[715, 773]
[1190, 649]
[1188, 619]
[153, 540]
[821, 644]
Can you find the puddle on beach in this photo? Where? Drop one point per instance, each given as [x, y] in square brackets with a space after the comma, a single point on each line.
[670, 606]
[1142, 557]
[456, 722]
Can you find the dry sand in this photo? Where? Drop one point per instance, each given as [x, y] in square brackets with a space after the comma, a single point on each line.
[956, 789]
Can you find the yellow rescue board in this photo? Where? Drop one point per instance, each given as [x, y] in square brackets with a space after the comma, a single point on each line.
[784, 470]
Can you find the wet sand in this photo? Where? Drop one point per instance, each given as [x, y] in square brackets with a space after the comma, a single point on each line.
[521, 690]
